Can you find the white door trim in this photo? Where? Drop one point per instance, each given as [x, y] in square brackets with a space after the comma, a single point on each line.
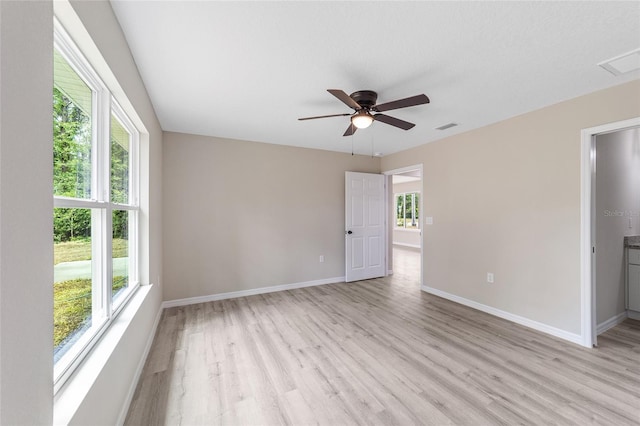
[587, 175]
[389, 224]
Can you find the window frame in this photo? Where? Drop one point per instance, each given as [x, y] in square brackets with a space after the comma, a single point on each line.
[133, 206]
[404, 211]
[104, 107]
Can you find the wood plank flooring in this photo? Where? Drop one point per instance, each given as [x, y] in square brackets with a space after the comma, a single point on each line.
[377, 352]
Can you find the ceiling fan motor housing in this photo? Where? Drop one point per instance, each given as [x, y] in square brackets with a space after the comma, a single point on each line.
[365, 98]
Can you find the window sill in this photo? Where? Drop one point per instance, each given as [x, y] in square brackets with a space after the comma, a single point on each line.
[407, 230]
[69, 397]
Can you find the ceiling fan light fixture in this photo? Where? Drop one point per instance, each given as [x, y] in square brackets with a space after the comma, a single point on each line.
[363, 102]
[361, 119]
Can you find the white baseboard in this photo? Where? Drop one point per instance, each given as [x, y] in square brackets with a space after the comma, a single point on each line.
[633, 315]
[611, 322]
[136, 376]
[251, 292]
[562, 334]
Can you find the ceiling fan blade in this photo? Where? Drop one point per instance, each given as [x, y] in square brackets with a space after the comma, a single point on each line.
[402, 103]
[324, 116]
[345, 98]
[405, 125]
[350, 130]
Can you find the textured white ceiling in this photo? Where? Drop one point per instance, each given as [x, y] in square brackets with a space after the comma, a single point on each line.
[248, 70]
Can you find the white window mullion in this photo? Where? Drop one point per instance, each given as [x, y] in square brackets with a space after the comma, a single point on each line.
[102, 145]
[78, 203]
[413, 209]
[135, 169]
[96, 132]
[108, 276]
[104, 188]
[133, 247]
[99, 219]
[98, 267]
[117, 206]
[404, 209]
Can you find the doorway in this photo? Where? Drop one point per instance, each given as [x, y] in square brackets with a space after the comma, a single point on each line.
[405, 230]
[610, 192]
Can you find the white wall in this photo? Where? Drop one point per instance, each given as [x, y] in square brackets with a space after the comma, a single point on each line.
[242, 215]
[405, 237]
[506, 199]
[26, 233]
[617, 201]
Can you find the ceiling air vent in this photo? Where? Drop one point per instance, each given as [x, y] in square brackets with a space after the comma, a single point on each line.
[623, 64]
[447, 126]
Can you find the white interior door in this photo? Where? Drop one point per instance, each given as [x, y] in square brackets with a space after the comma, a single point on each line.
[365, 230]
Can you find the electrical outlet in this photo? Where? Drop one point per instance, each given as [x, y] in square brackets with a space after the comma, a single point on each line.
[489, 277]
[321, 258]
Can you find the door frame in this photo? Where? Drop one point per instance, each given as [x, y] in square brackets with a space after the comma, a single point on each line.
[587, 225]
[389, 180]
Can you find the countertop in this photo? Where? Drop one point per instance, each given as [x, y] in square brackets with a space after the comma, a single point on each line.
[632, 242]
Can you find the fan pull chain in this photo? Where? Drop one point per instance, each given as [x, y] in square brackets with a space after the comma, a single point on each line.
[352, 144]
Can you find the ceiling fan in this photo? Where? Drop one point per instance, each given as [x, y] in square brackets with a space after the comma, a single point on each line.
[364, 103]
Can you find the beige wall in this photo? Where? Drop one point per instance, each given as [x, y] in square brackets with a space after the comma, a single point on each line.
[617, 201]
[506, 199]
[242, 215]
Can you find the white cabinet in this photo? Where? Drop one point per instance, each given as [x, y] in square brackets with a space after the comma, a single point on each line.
[633, 280]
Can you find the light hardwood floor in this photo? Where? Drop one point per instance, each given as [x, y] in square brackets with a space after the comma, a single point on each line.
[377, 352]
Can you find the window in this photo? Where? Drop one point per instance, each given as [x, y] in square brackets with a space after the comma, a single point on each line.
[95, 216]
[407, 214]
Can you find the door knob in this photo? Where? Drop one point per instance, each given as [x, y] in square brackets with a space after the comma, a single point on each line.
[349, 232]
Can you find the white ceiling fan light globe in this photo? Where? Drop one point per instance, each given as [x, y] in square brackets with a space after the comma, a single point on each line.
[362, 120]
